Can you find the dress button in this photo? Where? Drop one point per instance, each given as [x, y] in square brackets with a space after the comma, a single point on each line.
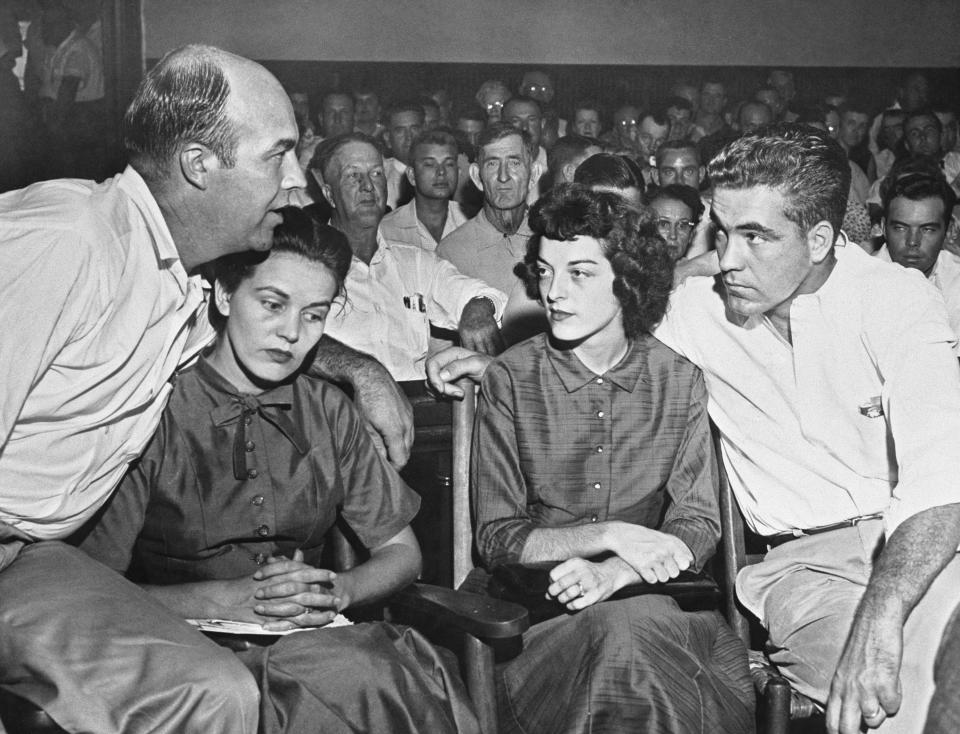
[596, 485]
[257, 500]
[263, 531]
[250, 446]
[599, 449]
[600, 414]
[594, 518]
[599, 380]
[248, 420]
[253, 473]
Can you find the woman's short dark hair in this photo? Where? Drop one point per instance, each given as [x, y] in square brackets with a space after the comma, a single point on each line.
[606, 169]
[641, 262]
[686, 195]
[301, 233]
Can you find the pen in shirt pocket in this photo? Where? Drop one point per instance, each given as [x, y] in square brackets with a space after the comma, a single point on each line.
[415, 303]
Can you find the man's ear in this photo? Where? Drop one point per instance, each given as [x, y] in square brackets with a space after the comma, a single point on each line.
[410, 177]
[536, 171]
[655, 175]
[953, 229]
[197, 161]
[475, 176]
[820, 240]
[568, 171]
[221, 298]
[324, 187]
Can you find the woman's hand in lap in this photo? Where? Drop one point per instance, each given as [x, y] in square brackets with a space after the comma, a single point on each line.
[296, 594]
[655, 556]
[578, 583]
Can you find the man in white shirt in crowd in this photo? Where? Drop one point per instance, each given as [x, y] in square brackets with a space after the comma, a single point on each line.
[102, 302]
[432, 214]
[395, 291]
[404, 122]
[916, 217]
[922, 137]
[835, 390]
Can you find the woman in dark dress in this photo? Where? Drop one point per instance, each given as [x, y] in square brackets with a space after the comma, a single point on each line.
[225, 514]
[592, 451]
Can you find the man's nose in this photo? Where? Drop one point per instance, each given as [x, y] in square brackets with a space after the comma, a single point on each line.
[293, 177]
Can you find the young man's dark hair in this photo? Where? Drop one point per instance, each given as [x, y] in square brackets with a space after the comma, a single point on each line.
[567, 149]
[918, 186]
[806, 165]
[684, 194]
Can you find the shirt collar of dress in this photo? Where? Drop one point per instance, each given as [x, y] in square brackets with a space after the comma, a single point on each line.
[273, 406]
[574, 375]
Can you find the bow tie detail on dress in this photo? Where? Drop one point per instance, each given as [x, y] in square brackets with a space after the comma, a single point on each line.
[240, 410]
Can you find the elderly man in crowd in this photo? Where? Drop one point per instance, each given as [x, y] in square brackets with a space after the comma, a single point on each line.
[849, 474]
[395, 291]
[102, 302]
[493, 242]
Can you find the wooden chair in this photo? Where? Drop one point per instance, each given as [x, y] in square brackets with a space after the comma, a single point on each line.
[777, 703]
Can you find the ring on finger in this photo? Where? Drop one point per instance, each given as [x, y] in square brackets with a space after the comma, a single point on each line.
[580, 587]
[873, 714]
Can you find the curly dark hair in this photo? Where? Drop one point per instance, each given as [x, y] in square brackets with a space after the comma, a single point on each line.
[641, 261]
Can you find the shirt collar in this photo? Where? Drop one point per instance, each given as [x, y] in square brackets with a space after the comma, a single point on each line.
[522, 231]
[625, 374]
[136, 188]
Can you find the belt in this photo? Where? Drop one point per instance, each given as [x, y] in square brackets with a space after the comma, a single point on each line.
[776, 539]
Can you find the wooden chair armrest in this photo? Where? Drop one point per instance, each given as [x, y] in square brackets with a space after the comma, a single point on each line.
[474, 614]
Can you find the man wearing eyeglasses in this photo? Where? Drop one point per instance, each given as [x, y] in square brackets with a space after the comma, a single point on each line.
[492, 96]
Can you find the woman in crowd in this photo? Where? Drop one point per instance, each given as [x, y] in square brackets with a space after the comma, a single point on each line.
[592, 451]
[226, 513]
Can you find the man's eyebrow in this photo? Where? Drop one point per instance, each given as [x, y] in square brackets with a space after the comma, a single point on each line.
[743, 226]
[284, 144]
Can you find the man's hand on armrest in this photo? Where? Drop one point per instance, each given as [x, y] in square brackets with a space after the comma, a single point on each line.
[478, 327]
[448, 365]
[376, 394]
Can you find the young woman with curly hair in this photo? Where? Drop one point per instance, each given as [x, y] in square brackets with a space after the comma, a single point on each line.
[592, 452]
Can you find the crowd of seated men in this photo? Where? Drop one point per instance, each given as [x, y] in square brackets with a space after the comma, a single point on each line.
[616, 277]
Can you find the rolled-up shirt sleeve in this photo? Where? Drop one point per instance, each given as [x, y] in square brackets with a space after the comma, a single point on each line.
[498, 489]
[450, 290]
[693, 513]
